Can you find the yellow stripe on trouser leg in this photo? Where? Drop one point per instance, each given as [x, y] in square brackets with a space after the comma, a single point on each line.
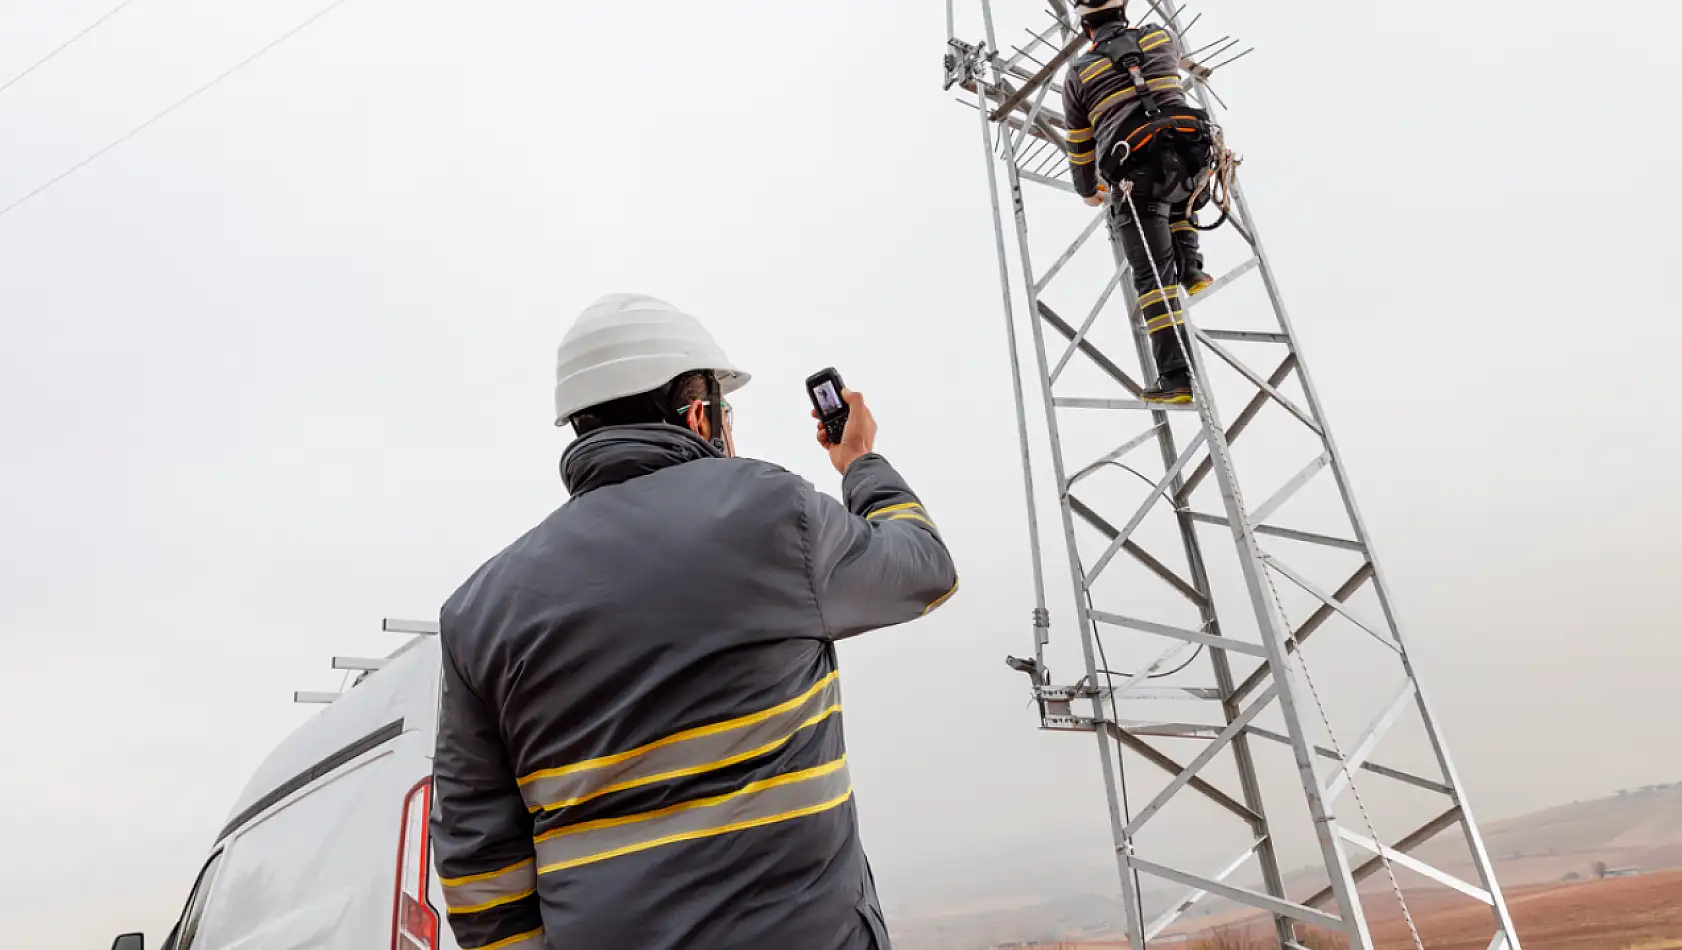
[1163, 314]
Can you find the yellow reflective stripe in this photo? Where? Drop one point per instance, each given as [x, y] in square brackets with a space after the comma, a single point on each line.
[687, 771]
[769, 801]
[705, 753]
[1077, 136]
[1153, 40]
[696, 733]
[495, 902]
[943, 598]
[775, 781]
[1183, 226]
[471, 878]
[1087, 160]
[1159, 296]
[511, 941]
[481, 892]
[1163, 82]
[1105, 103]
[1095, 70]
[904, 512]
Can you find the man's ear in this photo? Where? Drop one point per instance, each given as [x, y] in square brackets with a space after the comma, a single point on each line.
[697, 420]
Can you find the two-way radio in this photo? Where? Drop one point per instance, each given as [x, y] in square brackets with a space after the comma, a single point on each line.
[824, 387]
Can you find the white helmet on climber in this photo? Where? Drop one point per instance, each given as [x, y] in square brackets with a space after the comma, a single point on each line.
[1089, 7]
[625, 344]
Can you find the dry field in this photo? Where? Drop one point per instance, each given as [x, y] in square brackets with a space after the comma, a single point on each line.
[1633, 913]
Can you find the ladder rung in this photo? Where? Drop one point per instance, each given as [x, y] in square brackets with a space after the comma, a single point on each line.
[1071, 402]
[1247, 336]
[1175, 730]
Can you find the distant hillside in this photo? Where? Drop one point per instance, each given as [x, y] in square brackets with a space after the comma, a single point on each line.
[1637, 828]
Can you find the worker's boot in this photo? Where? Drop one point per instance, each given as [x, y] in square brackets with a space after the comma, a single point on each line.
[1172, 389]
[1187, 248]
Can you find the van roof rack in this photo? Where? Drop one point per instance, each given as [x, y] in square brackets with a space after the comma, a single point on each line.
[362, 666]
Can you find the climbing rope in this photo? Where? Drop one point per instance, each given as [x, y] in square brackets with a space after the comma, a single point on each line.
[1354, 789]
[1205, 413]
[1218, 184]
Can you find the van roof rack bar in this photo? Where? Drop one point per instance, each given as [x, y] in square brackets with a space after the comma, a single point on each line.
[305, 696]
[425, 628]
[357, 663]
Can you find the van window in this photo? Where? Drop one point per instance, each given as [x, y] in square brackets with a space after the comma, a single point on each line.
[181, 938]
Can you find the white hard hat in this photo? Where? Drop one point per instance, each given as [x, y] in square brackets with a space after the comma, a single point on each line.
[625, 344]
[1084, 7]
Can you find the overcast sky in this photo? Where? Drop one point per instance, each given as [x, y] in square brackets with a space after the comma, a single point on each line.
[280, 366]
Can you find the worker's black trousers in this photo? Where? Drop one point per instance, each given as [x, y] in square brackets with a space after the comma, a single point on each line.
[1169, 250]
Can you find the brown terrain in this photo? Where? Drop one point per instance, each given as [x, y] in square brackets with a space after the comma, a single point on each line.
[1546, 862]
[1631, 913]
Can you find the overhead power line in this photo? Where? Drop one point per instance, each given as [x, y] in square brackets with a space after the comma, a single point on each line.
[189, 97]
[66, 44]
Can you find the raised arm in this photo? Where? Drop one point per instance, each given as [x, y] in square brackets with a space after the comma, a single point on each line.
[878, 559]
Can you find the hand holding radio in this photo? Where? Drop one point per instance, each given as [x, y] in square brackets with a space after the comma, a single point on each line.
[846, 428]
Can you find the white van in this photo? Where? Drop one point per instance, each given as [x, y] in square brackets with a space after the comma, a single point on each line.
[327, 847]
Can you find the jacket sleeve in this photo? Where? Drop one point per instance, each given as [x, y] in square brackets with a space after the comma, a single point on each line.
[1083, 145]
[1164, 62]
[481, 832]
[878, 560]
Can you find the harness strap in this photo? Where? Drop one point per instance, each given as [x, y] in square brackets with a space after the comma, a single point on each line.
[1123, 50]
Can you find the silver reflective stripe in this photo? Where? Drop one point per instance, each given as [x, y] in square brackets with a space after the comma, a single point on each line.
[776, 799]
[691, 752]
[477, 892]
[525, 941]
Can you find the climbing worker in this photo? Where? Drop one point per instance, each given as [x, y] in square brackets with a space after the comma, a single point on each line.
[640, 732]
[1131, 130]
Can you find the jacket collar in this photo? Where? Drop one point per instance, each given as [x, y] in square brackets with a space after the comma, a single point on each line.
[1108, 31]
[620, 453]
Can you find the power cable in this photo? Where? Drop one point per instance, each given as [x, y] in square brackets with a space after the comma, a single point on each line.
[177, 104]
[1091, 607]
[1115, 713]
[65, 45]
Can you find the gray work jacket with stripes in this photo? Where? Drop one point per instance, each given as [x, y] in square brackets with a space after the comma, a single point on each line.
[639, 742]
[1102, 105]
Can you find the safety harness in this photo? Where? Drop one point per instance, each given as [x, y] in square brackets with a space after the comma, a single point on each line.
[1180, 138]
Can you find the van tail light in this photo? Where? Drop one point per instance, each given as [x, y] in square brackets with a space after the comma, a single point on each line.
[414, 924]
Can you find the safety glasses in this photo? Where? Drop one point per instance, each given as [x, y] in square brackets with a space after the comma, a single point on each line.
[729, 413]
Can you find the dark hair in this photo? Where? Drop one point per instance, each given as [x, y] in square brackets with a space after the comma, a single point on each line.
[666, 404]
[1103, 18]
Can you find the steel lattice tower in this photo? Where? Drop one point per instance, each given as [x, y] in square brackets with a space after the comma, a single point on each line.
[1185, 516]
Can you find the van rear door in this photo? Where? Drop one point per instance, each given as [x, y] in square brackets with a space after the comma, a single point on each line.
[336, 856]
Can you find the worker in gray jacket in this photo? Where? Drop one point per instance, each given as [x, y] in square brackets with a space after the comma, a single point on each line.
[1131, 127]
[639, 741]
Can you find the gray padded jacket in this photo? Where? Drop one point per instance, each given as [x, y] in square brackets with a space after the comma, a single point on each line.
[639, 743]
